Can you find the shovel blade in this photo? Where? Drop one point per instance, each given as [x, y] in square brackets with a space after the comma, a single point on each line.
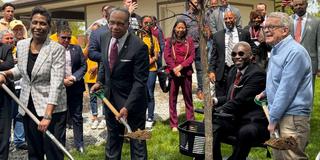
[139, 134]
[283, 143]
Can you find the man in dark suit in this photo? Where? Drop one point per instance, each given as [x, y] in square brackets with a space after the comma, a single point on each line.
[123, 74]
[249, 123]
[75, 69]
[220, 60]
[309, 33]
[6, 62]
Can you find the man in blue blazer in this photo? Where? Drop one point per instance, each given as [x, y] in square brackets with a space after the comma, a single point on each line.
[123, 75]
[76, 67]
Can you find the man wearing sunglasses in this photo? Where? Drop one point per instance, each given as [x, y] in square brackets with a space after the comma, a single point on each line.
[246, 122]
[76, 67]
[220, 61]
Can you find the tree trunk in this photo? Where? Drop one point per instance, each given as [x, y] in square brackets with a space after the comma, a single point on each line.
[206, 84]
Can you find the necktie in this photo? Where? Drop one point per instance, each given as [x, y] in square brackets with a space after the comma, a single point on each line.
[297, 33]
[113, 55]
[230, 45]
[235, 83]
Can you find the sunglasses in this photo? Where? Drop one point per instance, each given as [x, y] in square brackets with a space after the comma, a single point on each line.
[240, 53]
[68, 38]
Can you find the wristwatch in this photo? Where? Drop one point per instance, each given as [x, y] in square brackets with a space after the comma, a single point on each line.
[47, 117]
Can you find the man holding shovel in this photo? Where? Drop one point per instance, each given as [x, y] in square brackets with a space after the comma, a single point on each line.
[123, 75]
[288, 87]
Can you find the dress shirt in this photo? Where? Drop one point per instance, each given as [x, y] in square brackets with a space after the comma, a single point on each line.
[304, 20]
[121, 42]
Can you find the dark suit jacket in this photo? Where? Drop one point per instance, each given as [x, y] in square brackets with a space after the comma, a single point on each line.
[79, 68]
[7, 63]
[95, 43]
[252, 82]
[126, 85]
[217, 59]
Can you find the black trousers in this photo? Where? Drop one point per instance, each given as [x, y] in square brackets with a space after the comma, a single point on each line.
[38, 143]
[247, 135]
[5, 124]
[138, 149]
[75, 112]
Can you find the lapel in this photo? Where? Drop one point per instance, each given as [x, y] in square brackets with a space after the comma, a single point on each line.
[72, 55]
[307, 25]
[24, 54]
[105, 41]
[43, 54]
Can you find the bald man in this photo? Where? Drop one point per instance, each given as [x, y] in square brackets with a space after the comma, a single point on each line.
[220, 61]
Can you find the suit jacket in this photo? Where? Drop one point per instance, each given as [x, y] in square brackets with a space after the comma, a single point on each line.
[252, 82]
[217, 59]
[79, 68]
[7, 63]
[46, 82]
[216, 18]
[95, 43]
[310, 40]
[126, 85]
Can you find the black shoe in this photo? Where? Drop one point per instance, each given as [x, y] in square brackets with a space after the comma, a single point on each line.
[23, 146]
[80, 149]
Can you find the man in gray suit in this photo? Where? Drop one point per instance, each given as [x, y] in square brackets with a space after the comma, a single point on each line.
[308, 33]
[217, 16]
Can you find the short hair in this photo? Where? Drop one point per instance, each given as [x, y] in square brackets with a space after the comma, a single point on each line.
[254, 14]
[42, 11]
[265, 5]
[117, 9]
[285, 20]
[106, 5]
[4, 6]
[243, 44]
[3, 32]
[64, 29]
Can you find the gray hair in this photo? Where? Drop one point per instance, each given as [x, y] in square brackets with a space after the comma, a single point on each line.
[285, 20]
[243, 44]
[3, 32]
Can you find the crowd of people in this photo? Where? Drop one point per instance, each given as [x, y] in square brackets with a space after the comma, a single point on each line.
[123, 56]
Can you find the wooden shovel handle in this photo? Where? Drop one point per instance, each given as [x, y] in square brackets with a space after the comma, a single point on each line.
[111, 107]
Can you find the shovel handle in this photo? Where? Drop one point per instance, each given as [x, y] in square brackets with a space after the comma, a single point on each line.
[266, 112]
[116, 113]
[35, 119]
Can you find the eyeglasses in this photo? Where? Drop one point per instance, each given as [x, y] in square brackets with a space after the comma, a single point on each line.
[271, 27]
[240, 53]
[148, 23]
[66, 38]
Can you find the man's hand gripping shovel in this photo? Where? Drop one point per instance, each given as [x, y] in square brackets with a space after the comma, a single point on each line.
[139, 134]
[277, 142]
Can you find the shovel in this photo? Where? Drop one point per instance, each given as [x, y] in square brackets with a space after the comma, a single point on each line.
[280, 143]
[139, 134]
[35, 119]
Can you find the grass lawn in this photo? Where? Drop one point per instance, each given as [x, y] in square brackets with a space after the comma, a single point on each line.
[164, 143]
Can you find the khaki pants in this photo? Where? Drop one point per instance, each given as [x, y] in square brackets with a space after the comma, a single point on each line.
[299, 128]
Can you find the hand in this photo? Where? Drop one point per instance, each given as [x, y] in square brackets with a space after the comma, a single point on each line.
[43, 125]
[260, 96]
[271, 128]
[95, 87]
[2, 79]
[68, 81]
[133, 7]
[93, 70]
[212, 77]
[177, 68]
[178, 74]
[123, 113]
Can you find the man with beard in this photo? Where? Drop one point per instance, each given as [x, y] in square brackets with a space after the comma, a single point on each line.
[244, 80]
[220, 61]
[306, 31]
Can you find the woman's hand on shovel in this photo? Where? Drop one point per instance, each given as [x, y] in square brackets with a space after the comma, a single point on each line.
[272, 128]
[123, 113]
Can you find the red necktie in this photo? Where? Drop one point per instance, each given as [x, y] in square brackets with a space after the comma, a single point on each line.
[113, 55]
[235, 83]
[297, 33]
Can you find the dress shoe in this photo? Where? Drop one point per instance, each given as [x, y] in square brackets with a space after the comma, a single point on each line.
[80, 149]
